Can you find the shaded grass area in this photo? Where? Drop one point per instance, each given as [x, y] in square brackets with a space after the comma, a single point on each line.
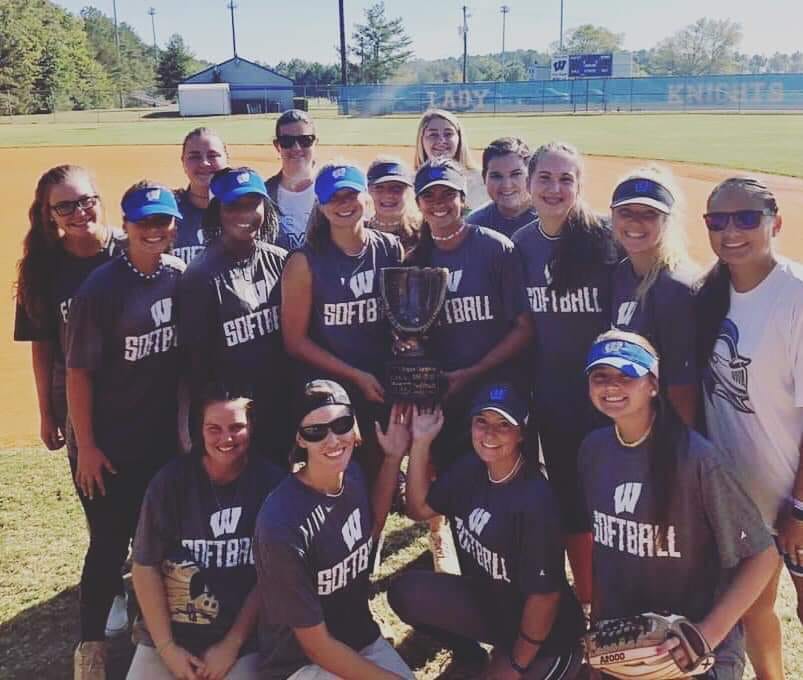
[43, 539]
[765, 142]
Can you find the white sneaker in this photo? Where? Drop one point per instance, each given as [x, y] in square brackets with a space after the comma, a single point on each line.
[117, 621]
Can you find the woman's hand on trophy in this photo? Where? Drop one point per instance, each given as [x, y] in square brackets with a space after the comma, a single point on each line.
[370, 387]
[426, 424]
[395, 441]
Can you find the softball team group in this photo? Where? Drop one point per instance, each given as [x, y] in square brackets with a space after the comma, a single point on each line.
[217, 375]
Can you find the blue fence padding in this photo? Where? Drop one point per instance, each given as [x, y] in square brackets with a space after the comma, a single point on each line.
[745, 92]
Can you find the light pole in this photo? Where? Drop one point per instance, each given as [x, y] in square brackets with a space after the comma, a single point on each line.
[561, 27]
[117, 45]
[152, 13]
[505, 10]
[343, 69]
[232, 6]
[465, 41]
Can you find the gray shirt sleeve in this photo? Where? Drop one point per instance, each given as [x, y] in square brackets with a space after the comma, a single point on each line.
[736, 522]
[287, 592]
[514, 292]
[86, 334]
[153, 540]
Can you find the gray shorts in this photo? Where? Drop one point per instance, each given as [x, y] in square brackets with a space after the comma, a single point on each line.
[379, 652]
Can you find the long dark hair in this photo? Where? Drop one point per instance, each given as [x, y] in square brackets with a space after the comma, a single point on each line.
[668, 441]
[212, 226]
[42, 243]
[713, 291]
[585, 239]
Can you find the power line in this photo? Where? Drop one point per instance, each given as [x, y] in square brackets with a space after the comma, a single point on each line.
[232, 6]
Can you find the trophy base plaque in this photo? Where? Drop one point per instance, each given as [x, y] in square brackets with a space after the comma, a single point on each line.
[413, 379]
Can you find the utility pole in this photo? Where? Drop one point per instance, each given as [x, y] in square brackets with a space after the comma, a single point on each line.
[561, 27]
[152, 13]
[466, 15]
[232, 6]
[343, 70]
[505, 10]
[117, 45]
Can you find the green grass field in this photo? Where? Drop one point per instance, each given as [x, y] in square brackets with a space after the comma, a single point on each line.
[765, 142]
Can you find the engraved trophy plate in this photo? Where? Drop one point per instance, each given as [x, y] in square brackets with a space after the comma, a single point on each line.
[413, 297]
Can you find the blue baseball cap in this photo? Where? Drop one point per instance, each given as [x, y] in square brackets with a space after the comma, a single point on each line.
[333, 178]
[439, 171]
[630, 358]
[228, 185]
[643, 191]
[502, 399]
[390, 171]
[153, 200]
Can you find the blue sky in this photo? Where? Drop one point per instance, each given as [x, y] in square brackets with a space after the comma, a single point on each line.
[272, 31]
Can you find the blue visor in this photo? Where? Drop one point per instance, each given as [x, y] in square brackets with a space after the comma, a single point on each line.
[332, 179]
[631, 359]
[444, 172]
[148, 201]
[229, 186]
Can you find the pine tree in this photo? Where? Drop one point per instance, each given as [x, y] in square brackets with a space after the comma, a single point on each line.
[175, 64]
[381, 44]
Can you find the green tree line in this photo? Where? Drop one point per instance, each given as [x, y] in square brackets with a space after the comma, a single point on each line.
[53, 60]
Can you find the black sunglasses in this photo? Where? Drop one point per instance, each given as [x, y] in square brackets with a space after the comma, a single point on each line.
[288, 141]
[318, 432]
[742, 219]
[65, 208]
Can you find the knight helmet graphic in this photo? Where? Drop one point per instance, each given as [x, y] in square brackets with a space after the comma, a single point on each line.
[188, 597]
[726, 375]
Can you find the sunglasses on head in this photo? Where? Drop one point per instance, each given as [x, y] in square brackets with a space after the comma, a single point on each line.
[65, 208]
[288, 141]
[742, 219]
[319, 431]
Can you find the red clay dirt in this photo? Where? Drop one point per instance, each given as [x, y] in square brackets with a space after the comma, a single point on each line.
[118, 167]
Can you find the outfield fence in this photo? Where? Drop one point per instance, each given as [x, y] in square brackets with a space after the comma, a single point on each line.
[763, 92]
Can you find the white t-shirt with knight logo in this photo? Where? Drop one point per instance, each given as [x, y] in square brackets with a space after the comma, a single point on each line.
[754, 386]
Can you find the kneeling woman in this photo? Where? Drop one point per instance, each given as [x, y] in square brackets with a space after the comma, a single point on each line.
[673, 530]
[513, 591]
[193, 564]
[314, 539]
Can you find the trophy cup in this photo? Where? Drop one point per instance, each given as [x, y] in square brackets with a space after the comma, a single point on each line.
[413, 297]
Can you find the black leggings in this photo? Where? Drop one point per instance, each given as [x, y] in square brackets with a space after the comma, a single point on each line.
[111, 520]
[457, 611]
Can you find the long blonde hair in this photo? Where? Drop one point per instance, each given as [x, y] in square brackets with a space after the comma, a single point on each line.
[463, 154]
[672, 246]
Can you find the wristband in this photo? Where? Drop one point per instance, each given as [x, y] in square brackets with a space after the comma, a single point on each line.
[527, 638]
[521, 670]
[797, 504]
[797, 511]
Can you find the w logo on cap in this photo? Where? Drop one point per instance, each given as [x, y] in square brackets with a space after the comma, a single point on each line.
[243, 178]
[614, 346]
[339, 172]
[153, 194]
[498, 394]
[642, 186]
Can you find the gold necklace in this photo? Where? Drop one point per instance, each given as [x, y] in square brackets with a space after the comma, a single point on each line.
[639, 441]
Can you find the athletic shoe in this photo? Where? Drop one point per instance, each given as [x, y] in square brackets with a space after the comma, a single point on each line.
[89, 661]
[117, 621]
[441, 545]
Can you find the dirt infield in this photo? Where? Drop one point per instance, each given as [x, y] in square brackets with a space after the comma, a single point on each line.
[118, 167]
